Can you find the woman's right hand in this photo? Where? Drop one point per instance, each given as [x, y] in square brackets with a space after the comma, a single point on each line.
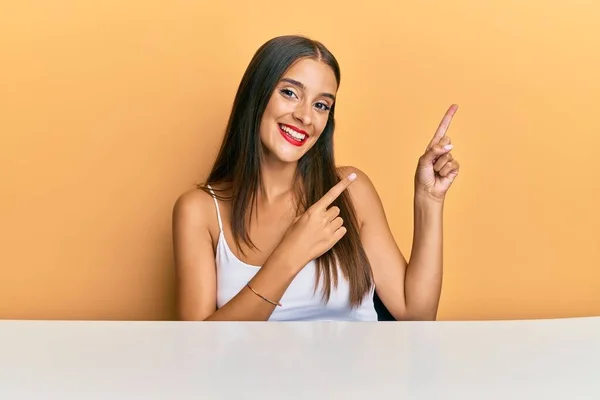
[316, 231]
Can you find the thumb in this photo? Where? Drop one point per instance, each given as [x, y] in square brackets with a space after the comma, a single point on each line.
[433, 153]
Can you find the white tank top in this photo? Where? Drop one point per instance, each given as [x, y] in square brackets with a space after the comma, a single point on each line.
[300, 301]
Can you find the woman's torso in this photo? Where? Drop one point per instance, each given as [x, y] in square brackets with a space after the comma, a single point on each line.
[300, 302]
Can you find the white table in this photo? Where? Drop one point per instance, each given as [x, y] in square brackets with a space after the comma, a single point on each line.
[543, 359]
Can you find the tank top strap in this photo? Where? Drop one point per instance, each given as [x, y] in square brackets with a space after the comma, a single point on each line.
[217, 206]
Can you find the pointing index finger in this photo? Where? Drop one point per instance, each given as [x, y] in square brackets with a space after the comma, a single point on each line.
[443, 126]
[335, 191]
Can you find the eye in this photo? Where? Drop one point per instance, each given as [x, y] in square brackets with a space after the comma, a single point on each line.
[322, 106]
[287, 93]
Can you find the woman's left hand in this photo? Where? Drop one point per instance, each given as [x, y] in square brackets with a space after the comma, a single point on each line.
[437, 168]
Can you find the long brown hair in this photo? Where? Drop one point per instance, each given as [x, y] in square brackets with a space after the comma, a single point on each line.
[238, 163]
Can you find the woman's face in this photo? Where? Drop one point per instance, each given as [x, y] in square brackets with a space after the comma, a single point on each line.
[298, 109]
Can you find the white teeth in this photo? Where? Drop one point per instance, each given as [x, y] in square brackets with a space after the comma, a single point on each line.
[292, 133]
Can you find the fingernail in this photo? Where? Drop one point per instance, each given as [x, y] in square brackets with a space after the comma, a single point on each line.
[352, 176]
[448, 147]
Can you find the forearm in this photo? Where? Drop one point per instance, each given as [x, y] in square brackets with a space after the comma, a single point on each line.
[271, 281]
[423, 280]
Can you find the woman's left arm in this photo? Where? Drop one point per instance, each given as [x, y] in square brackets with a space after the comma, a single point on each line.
[410, 290]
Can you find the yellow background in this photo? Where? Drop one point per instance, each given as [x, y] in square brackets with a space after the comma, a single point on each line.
[109, 110]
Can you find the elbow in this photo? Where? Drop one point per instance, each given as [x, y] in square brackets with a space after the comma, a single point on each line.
[418, 318]
[193, 315]
[417, 315]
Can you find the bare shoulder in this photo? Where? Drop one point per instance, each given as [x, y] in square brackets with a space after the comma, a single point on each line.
[362, 191]
[194, 209]
[362, 187]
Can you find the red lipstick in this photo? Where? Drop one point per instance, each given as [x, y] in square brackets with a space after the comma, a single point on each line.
[292, 140]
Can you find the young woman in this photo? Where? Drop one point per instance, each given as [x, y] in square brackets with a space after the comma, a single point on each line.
[279, 232]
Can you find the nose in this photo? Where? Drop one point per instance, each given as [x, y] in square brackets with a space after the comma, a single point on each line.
[303, 112]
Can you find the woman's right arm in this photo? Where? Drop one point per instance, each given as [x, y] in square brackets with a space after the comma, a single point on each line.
[311, 235]
[196, 271]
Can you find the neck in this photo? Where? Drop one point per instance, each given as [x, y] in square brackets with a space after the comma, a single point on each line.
[277, 179]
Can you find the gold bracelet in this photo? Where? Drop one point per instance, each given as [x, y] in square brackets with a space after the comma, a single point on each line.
[262, 297]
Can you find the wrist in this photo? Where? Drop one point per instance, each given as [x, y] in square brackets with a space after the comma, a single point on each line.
[423, 198]
[283, 263]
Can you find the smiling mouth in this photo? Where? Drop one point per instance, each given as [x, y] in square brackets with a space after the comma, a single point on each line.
[292, 136]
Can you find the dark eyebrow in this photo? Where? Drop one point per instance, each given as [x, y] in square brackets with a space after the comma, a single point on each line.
[301, 85]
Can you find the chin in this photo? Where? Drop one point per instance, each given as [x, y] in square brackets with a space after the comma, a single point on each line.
[284, 152]
[288, 156]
